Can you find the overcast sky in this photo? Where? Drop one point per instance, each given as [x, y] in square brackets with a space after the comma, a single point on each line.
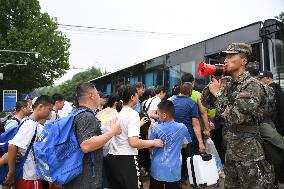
[170, 19]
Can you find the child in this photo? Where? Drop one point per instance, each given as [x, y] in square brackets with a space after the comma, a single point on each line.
[121, 162]
[21, 142]
[166, 163]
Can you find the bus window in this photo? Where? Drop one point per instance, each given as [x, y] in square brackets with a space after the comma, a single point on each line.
[174, 76]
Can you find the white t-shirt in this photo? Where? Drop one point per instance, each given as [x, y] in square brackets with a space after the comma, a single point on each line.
[130, 127]
[22, 140]
[67, 108]
[154, 104]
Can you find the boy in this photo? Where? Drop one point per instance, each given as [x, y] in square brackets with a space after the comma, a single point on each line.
[21, 142]
[166, 163]
[22, 110]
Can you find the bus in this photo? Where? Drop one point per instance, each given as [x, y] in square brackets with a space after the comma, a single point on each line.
[266, 39]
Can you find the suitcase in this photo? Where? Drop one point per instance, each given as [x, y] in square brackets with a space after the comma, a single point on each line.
[202, 170]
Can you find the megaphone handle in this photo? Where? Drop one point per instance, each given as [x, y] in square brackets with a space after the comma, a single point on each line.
[215, 77]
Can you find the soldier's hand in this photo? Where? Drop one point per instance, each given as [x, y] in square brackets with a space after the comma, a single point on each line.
[214, 86]
[114, 126]
[201, 147]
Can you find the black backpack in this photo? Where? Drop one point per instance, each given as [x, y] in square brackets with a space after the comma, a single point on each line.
[143, 113]
[279, 97]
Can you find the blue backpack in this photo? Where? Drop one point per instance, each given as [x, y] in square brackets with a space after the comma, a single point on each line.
[8, 135]
[4, 139]
[59, 158]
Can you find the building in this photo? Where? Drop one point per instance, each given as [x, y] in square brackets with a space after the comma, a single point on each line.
[266, 38]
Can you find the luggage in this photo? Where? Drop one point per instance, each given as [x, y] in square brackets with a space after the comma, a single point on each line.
[59, 158]
[202, 170]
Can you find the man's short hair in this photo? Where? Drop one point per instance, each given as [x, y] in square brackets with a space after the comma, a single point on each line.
[139, 85]
[167, 107]
[21, 104]
[57, 97]
[187, 77]
[186, 88]
[160, 89]
[82, 90]
[44, 100]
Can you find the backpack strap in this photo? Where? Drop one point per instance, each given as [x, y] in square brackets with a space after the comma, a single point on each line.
[146, 109]
[31, 144]
[92, 158]
[16, 119]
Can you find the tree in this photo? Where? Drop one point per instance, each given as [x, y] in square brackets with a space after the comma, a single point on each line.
[67, 89]
[24, 28]
[280, 16]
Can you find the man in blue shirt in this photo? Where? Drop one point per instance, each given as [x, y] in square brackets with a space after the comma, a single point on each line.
[166, 164]
[186, 112]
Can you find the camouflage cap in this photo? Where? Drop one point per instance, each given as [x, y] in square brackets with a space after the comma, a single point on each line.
[235, 48]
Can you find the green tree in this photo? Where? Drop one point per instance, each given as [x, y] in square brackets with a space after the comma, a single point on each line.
[24, 28]
[67, 89]
[280, 16]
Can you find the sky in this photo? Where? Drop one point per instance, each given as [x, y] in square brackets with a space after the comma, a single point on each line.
[161, 26]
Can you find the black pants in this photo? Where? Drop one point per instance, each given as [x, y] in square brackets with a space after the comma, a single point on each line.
[155, 184]
[123, 172]
[218, 141]
[279, 172]
[143, 154]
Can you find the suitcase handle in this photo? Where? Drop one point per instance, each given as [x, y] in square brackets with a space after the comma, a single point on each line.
[206, 157]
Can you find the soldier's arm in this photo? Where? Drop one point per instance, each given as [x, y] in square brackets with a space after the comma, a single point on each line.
[245, 107]
[207, 99]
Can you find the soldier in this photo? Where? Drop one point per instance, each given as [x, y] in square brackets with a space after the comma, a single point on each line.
[239, 100]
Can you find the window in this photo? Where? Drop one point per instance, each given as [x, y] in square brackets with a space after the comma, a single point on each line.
[149, 79]
[188, 67]
[132, 80]
[108, 89]
[174, 76]
[154, 78]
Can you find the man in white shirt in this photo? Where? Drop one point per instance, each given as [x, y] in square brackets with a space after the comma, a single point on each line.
[152, 103]
[22, 140]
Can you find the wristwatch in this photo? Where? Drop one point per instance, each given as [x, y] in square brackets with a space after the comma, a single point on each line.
[218, 94]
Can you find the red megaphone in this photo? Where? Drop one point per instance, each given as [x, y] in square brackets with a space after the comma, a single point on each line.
[208, 69]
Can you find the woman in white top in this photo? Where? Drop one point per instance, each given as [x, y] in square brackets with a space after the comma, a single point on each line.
[121, 163]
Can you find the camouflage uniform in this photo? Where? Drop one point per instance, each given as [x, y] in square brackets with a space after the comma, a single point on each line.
[240, 108]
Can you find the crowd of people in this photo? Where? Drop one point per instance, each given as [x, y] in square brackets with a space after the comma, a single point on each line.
[154, 135]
